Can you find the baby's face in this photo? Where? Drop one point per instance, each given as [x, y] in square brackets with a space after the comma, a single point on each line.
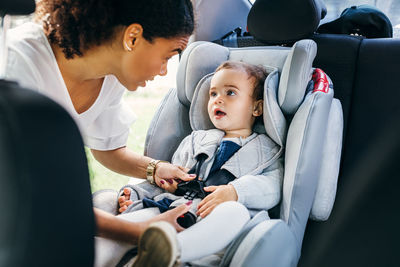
[231, 104]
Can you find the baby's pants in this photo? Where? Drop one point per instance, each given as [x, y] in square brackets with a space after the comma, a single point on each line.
[206, 237]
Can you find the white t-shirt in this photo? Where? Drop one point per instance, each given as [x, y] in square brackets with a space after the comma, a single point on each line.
[31, 62]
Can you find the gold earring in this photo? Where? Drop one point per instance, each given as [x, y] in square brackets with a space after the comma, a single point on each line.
[127, 46]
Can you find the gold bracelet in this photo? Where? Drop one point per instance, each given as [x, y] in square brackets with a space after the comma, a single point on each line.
[151, 170]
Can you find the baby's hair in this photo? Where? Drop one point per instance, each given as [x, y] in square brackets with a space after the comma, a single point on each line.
[253, 71]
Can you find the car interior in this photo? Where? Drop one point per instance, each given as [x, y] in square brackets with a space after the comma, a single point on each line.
[341, 144]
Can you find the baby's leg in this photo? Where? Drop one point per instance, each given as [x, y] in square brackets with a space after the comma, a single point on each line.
[109, 252]
[214, 232]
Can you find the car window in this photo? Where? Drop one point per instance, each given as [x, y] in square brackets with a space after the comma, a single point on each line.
[391, 8]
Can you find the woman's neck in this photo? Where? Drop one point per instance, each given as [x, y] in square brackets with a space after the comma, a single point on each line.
[94, 64]
[83, 76]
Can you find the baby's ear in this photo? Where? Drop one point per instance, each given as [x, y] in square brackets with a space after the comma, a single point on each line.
[258, 108]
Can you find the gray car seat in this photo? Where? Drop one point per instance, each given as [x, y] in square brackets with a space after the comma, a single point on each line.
[46, 211]
[313, 141]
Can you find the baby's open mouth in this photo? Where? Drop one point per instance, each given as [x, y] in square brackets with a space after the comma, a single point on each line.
[219, 113]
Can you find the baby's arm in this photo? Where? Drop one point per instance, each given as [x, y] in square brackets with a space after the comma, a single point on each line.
[263, 191]
[220, 194]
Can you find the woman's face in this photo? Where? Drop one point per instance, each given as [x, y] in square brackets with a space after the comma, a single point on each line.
[146, 60]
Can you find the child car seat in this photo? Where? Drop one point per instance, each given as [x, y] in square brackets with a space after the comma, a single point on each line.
[313, 141]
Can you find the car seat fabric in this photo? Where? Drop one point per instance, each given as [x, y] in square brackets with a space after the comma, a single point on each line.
[47, 216]
[330, 163]
[233, 246]
[289, 94]
[306, 136]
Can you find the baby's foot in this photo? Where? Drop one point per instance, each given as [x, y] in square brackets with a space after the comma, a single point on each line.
[124, 200]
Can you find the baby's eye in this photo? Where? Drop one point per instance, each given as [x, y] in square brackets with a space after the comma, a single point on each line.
[213, 94]
[230, 92]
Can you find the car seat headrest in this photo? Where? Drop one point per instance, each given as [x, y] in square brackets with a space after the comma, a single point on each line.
[17, 7]
[294, 65]
[281, 22]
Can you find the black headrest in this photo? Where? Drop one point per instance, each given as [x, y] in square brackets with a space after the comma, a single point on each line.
[17, 7]
[284, 21]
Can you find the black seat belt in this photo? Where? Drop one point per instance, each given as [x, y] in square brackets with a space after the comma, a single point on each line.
[195, 188]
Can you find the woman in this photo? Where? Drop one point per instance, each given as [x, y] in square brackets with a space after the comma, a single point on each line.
[83, 55]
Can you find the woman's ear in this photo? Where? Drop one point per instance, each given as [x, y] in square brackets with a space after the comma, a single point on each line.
[131, 34]
[258, 108]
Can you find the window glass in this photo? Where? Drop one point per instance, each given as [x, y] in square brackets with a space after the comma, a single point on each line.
[391, 8]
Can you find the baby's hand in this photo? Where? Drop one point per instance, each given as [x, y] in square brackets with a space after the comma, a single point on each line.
[124, 200]
[221, 193]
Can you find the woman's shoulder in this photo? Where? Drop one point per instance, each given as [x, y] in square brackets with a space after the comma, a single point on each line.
[27, 33]
[30, 59]
[29, 42]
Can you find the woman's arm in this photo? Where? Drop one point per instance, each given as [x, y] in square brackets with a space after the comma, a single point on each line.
[123, 161]
[112, 227]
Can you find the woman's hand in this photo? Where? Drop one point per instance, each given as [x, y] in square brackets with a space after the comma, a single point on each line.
[167, 176]
[221, 193]
[171, 216]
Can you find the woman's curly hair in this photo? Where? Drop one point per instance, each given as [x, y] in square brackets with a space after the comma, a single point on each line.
[77, 25]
